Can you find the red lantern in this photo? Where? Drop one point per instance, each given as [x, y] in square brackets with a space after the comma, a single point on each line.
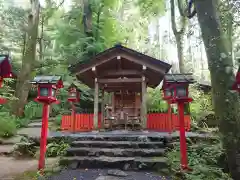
[175, 88]
[5, 72]
[73, 97]
[47, 87]
[5, 67]
[73, 93]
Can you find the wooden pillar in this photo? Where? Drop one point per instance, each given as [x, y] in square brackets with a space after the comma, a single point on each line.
[95, 117]
[113, 102]
[102, 109]
[144, 103]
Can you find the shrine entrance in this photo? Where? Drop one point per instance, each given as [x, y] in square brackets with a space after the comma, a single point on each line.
[120, 76]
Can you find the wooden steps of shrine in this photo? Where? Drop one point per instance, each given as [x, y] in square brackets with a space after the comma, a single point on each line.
[117, 152]
[125, 163]
[118, 144]
[113, 152]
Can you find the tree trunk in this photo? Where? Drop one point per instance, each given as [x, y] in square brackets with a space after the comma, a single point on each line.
[179, 39]
[220, 64]
[88, 28]
[179, 35]
[28, 59]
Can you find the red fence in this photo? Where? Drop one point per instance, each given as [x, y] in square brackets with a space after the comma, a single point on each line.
[155, 121]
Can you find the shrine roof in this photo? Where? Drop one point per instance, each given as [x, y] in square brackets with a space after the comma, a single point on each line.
[126, 59]
[117, 50]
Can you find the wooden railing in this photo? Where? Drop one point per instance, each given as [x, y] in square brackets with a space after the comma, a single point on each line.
[156, 121]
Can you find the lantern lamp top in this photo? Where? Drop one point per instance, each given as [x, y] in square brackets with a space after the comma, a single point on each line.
[174, 79]
[54, 80]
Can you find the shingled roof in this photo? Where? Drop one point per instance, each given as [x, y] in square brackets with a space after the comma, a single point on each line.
[179, 78]
[46, 80]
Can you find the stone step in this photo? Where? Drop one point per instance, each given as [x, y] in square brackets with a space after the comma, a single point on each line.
[112, 152]
[125, 163]
[117, 137]
[118, 144]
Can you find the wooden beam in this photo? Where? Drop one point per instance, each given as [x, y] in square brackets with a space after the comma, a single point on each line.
[121, 73]
[113, 102]
[94, 70]
[95, 117]
[122, 86]
[102, 109]
[144, 67]
[118, 80]
[118, 89]
[144, 103]
[149, 65]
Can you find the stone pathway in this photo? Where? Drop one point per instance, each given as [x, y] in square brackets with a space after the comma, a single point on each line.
[98, 174]
[10, 166]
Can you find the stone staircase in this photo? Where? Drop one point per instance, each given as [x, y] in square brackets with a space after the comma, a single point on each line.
[127, 152]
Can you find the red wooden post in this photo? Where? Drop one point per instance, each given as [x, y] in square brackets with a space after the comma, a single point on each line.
[73, 118]
[183, 144]
[1, 82]
[169, 119]
[43, 141]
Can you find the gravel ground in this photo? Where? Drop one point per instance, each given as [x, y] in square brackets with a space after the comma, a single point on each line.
[93, 174]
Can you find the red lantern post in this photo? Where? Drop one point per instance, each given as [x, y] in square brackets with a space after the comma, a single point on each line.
[236, 84]
[73, 97]
[5, 72]
[176, 91]
[47, 87]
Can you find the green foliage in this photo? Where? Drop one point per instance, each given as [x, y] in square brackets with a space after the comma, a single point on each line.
[56, 149]
[201, 102]
[155, 103]
[58, 120]
[151, 7]
[204, 159]
[33, 110]
[8, 126]
[22, 122]
[201, 108]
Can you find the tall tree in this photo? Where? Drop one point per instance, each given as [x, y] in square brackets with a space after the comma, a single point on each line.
[29, 57]
[179, 34]
[217, 45]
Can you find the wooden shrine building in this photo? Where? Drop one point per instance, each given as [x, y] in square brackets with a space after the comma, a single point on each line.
[124, 74]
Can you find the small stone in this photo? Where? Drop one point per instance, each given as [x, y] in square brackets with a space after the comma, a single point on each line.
[118, 173]
[73, 165]
[107, 178]
[141, 166]
[126, 166]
